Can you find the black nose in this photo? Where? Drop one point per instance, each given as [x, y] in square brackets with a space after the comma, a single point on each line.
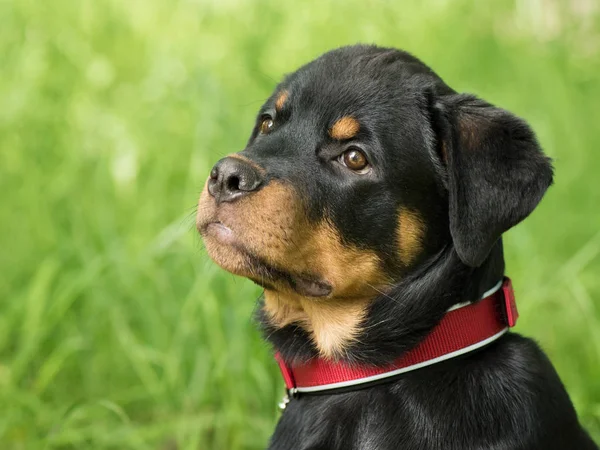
[233, 178]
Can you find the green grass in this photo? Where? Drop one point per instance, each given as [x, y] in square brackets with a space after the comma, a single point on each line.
[116, 331]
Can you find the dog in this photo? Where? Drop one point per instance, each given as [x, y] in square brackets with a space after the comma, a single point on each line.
[369, 203]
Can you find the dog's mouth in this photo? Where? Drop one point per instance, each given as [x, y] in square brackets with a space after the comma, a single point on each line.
[218, 231]
[228, 250]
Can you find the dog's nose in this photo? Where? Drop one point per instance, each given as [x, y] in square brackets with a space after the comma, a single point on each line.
[233, 178]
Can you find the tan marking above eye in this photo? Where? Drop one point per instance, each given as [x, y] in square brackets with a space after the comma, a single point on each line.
[266, 125]
[345, 128]
[281, 99]
[354, 159]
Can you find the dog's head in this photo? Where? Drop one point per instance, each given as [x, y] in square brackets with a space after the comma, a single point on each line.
[361, 165]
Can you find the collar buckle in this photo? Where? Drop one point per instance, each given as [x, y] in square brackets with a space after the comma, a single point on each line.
[289, 395]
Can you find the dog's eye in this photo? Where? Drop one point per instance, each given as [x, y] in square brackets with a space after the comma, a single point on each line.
[266, 125]
[354, 159]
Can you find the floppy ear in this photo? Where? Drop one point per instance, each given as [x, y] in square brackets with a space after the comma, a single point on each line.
[496, 172]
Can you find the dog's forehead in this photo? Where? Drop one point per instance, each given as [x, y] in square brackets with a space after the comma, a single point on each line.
[356, 78]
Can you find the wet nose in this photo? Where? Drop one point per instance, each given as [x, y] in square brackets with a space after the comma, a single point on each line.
[233, 178]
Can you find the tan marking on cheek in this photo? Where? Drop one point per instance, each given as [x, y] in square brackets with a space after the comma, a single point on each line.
[351, 271]
[345, 128]
[259, 223]
[333, 322]
[272, 224]
[410, 231]
[281, 99]
[318, 251]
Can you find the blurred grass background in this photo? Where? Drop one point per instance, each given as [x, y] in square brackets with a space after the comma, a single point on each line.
[116, 331]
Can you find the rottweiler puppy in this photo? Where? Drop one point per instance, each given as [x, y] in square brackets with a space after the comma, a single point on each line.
[369, 200]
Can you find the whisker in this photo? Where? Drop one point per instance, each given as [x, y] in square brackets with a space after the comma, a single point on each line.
[381, 292]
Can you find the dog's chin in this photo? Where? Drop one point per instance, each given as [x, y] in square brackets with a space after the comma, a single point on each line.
[221, 245]
[228, 252]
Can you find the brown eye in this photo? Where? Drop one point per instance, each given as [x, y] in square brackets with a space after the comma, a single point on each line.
[266, 125]
[354, 159]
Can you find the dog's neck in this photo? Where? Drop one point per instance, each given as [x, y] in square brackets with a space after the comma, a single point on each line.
[386, 326]
[332, 325]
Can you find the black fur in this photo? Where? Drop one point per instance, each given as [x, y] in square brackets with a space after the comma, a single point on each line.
[472, 171]
[507, 396]
[497, 173]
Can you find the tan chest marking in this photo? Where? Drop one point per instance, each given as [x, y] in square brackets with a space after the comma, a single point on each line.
[332, 324]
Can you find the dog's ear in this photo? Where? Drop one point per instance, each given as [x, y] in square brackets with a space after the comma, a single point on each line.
[496, 173]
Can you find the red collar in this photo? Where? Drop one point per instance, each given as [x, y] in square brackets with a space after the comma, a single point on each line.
[464, 328]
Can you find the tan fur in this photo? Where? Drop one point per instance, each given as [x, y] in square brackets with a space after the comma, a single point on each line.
[272, 213]
[281, 99]
[345, 128]
[332, 324]
[356, 276]
[345, 267]
[271, 224]
[410, 231]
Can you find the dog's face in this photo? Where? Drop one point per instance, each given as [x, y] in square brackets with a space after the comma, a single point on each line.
[349, 180]
[336, 184]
